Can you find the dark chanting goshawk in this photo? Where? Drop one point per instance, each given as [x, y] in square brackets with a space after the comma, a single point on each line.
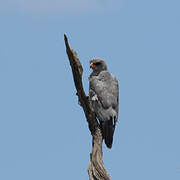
[104, 98]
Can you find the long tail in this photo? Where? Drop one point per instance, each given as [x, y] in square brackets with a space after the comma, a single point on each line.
[108, 128]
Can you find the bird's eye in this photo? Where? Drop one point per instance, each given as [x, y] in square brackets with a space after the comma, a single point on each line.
[98, 63]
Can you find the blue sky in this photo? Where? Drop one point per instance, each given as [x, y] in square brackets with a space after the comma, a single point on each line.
[43, 132]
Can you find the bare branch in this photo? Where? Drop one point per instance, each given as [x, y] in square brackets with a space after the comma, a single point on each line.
[96, 168]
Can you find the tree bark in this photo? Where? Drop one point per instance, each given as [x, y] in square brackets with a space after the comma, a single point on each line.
[96, 169]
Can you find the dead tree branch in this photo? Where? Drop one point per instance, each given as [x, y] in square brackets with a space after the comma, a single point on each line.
[96, 168]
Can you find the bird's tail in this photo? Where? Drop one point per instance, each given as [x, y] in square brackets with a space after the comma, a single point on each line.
[108, 128]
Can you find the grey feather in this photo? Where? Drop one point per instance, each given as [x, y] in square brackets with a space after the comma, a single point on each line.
[104, 99]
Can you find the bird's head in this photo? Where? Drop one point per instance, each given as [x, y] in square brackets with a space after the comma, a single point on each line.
[98, 65]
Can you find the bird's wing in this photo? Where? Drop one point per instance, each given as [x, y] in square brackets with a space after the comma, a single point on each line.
[105, 87]
[104, 97]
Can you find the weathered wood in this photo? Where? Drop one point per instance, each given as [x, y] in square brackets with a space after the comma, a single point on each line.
[96, 168]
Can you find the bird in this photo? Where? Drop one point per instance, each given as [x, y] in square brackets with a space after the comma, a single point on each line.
[104, 98]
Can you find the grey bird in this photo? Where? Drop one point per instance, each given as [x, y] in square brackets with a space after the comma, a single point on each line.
[104, 98]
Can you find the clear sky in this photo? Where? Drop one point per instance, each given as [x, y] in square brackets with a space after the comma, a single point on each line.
[43, 131]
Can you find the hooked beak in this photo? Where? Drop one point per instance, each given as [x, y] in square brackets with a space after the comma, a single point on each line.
[92, 65]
